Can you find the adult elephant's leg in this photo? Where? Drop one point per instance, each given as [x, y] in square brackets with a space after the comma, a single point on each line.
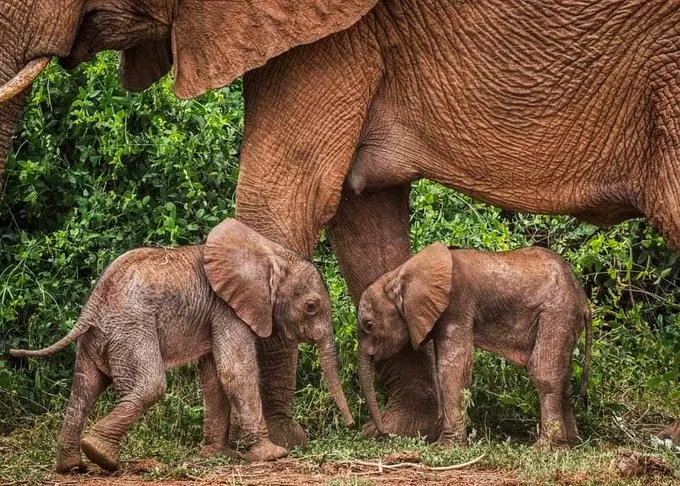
[304, 114]
[370, 236]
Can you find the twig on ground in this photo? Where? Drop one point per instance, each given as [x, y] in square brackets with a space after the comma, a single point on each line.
[382, 466]
[619, 422]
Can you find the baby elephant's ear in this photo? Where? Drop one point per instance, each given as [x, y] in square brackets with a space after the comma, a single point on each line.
[241, 266]
[420, 290]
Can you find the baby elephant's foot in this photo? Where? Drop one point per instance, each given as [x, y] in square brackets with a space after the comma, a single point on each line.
[215, 450]
[265, 451]
[68, 463]
[68, 458]
[102, 452]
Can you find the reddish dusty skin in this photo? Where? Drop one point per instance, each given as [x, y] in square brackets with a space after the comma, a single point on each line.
[154, 309]
[525, 305]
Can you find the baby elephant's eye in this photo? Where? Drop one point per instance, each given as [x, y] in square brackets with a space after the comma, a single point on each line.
[311, 307]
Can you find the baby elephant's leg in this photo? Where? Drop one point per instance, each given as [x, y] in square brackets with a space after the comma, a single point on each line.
[236, 361]
[138, 376]
[216, 411]
[88, 383]
[453, 353]
[550, 370]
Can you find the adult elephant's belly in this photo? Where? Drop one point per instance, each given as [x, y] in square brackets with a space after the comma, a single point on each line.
[557, 165]
[581, 153]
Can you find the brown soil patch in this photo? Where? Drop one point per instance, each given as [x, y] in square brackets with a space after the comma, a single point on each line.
[294, 471]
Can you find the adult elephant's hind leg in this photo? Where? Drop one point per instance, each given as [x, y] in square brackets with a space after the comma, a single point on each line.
[370, 236]
[661, 197]
[666, 220]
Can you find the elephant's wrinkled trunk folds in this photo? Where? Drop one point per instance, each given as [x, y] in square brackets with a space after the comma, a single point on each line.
[328, 359]
[366, 382]
[23, 79]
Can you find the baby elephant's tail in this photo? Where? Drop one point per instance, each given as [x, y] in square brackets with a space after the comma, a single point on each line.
[75, 333]
[585, 364]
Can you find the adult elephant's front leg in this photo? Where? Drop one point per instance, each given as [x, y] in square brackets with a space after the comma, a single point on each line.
[370, 236]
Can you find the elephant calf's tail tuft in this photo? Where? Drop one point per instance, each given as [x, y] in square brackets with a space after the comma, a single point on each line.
[585, 365]
[75, 333]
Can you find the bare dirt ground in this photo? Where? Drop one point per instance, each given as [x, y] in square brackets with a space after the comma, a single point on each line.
[294, 472]
[399, 469]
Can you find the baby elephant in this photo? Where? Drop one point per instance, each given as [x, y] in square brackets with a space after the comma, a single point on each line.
[525, 305]
[156, 308]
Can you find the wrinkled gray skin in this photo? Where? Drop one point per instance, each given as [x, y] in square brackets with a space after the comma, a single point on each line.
[563, 107]
[154, 309]
[525, 305]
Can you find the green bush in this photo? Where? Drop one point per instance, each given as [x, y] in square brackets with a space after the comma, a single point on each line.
[98, 171]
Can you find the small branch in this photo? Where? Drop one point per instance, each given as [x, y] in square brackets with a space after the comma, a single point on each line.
[382, 466]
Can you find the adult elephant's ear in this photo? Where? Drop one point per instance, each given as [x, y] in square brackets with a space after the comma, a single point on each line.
[143, 64]
[216, 41]
[242, 268]
[420, 290]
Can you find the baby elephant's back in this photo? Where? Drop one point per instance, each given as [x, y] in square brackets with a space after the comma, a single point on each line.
[550, 272]
[534, 276]
[154, 280]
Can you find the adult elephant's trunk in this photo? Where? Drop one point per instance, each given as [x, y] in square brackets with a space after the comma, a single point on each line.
[328, 359]
[366, 382]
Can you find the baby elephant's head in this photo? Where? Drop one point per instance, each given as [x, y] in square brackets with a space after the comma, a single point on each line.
[401, 306]
[272, 289]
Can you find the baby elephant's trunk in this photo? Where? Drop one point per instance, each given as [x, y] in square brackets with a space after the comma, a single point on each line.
[72, 336]
[366, 382]
[328, 360]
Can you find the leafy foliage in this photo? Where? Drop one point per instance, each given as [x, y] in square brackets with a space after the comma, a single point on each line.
[97, 171]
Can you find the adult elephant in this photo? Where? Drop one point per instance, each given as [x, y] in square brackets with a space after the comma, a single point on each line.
[548, 107]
